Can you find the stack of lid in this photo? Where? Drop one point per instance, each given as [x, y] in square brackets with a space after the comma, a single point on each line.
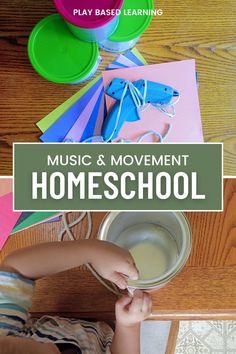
[64, 47]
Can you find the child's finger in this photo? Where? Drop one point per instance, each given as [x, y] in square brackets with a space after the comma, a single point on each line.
[146, 303]
[124, 301]
[129, 269]
[137, 301]
[138, 293]
[119, 280]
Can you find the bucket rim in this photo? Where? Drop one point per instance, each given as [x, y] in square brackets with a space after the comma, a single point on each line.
[174, 270]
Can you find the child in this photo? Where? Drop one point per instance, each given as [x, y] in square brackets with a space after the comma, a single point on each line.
[54, 335]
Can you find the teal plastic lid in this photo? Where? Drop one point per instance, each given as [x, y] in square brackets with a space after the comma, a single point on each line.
[59, 56]
[131, 27]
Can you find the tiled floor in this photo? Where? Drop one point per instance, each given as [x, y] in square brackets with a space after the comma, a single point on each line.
[206, 337]
[195, 337]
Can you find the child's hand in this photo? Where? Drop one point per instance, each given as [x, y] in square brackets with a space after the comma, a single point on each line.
[132, 310]
[112, 262]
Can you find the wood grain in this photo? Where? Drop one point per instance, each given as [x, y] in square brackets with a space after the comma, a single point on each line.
[205, 288]
[171, 344]
[188, 29]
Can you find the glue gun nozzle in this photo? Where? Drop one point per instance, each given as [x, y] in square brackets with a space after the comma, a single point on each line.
[176, 94]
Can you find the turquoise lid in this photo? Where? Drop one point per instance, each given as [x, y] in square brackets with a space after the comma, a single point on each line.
[59, 56]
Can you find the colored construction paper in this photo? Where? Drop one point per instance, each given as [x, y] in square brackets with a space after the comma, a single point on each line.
[34, 219]
[186, 125]
[8, 217]
[135, 56]
[6, 185]
[114, 67]
[53, 116]
[57, 218]
[122, 60]
[116, 64]
[90, 127]
[128, 59]
[58, 131]
[101, 116]
[23, 216]
[27, 214]
[76, 131]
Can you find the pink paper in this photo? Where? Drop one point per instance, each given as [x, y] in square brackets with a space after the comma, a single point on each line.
[6, 185]
[8, 217]
[186, 126]
[76, 132]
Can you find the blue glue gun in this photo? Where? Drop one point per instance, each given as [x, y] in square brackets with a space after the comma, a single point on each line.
[131, 97]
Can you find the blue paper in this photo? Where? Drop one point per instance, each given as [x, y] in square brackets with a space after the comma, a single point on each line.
[61, 127]
[116, 63]
[131, 56]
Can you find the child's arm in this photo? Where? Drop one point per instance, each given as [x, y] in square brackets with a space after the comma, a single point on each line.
[130, 311]
[110, 261]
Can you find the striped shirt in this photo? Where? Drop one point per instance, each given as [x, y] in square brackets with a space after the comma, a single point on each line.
[15, 302]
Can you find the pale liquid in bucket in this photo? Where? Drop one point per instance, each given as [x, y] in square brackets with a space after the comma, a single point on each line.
[153, 249]
[150, 260]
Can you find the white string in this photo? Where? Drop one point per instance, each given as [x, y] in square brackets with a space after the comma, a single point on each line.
[67, 230]
[163, 108]
[67, 226]
[145, 135]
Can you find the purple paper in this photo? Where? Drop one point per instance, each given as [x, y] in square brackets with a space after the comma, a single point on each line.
[56, 218]
[76, 132]
[125, 61]
[131, 56]
[115, 66]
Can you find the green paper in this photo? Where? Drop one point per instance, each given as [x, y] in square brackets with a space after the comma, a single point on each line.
[34, 219]
[53, 116]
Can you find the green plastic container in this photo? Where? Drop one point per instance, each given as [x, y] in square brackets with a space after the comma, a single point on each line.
[58, 56]
[130, 28]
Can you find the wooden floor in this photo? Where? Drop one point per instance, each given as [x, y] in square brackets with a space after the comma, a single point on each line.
[204, 30]
[205, 288]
